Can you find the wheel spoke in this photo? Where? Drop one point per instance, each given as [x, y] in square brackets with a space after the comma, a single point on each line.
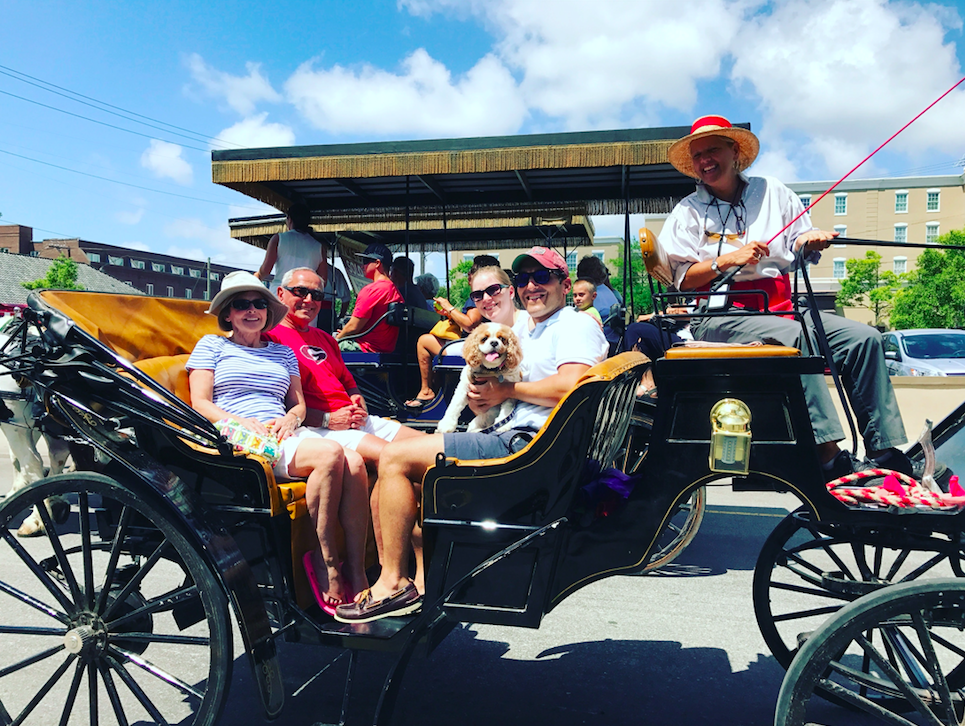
[168, 600]
[137, 691]
[142, 572]
[44, 690]
[896, 565]
[92, 692]
[35, 658]
[161, 638]
[863, 704]
[948, 645]
[806, 613]
[30, 630]
[879, 552]
[119, 533]
[113, 695]
[72, 693]
[86, 554]
[158, 672]
[931, 661]
[34, 603]
[58, 549]
[39, 572]
[861, 561]
[809, 591]
[923, 568]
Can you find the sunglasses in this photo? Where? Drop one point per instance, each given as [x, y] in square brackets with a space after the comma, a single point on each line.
[303, 292]
[240, 303]
[492, 291]
[540, 277]
[730, 236]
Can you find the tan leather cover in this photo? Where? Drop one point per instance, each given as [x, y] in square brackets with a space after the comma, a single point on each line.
[731, 351]
[169, 371]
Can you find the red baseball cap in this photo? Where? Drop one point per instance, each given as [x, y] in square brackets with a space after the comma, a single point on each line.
[544, 257]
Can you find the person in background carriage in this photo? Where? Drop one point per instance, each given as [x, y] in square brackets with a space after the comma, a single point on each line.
[296, 247]
[429, 286]
[593, 269]
[371, 304]
[559, 345]
[401, 275]
[726, 224]
[257, 383]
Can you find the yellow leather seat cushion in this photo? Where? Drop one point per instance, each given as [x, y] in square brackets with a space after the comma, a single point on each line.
[731, 351]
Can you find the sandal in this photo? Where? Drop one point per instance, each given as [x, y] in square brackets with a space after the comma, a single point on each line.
[417, 404]
[365, 609]
[327, 604]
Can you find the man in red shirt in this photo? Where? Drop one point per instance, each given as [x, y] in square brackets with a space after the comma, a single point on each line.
[335, 406]
[372, 303]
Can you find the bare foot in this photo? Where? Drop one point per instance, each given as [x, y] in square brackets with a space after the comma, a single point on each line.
[329, 579]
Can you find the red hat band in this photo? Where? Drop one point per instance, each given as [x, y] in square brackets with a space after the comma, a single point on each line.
[716, 121]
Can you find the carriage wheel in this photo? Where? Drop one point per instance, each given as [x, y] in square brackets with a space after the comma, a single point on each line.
[885, 655]
[680, 530]
[111, 617]
[804, 574]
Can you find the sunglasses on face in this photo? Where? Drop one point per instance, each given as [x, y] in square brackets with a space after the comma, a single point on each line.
[241, 303]
[303, 292]
[540, 277]
[492, 291]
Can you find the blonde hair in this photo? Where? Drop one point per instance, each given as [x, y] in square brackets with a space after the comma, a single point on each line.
[498, 272]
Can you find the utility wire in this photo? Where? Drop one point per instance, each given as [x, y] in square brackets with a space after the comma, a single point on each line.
[95, 103]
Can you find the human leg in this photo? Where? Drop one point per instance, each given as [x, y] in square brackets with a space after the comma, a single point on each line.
[649, 339]
[427, 347]
[322, 463]
[353, 510]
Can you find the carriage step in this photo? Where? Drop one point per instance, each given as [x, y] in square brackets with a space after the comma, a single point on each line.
[837, 583]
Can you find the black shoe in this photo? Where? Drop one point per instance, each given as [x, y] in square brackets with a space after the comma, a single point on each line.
[942, 473]
[843, 463]
[897, 461]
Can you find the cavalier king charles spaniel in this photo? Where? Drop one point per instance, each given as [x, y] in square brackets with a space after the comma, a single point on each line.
[491, 351]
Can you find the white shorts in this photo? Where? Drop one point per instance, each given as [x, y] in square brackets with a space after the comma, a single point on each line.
[383, 428]
[288, 448]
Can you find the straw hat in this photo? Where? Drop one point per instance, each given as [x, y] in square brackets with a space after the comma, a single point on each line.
[747, 143]
[238, 282]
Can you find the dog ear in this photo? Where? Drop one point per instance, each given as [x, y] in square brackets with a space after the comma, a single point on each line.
[514, 353]
[470, 349]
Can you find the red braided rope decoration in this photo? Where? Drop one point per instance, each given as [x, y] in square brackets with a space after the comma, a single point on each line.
[897, 490]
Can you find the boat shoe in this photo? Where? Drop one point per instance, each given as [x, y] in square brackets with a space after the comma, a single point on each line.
[366, 609]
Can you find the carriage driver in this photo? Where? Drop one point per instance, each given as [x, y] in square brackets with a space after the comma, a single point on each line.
[726, 224]
[559, 345]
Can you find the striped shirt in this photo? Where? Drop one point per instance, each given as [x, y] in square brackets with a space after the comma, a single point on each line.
[248, 382]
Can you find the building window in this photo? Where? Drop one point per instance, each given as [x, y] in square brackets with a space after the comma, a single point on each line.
[187, 293]
[841, 203]
[150, 288]
[207, 295]
[170, 291]
[805, 200]
[901, 202]
[933, 202]
[467, 257]
[901, 265]
[119, 261]
[93, 256]
[841, 229]
[34, 253]
[194, 273]
[931, 232]
[571, 259]
[839, 271]
[598, 254]
[157, 266]
[137, 264]
[214, 276]
[901, 233]
[175, 270]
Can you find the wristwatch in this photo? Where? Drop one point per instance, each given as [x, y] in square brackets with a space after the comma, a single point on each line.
[326, 417]
[714, 267]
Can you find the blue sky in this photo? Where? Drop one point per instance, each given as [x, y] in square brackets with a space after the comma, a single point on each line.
[822, 83]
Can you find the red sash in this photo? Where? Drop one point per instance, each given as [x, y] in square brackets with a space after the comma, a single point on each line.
[778, 291]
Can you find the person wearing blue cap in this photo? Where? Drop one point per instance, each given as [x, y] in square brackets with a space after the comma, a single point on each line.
[372, 303]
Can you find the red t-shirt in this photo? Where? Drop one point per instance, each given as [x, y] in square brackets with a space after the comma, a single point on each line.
[325, 379]
[372, 302]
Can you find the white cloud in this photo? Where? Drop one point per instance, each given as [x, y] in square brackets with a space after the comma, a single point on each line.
[253, 132]
[422, 99]
[241, 93]
[850, 74]
[129, 217]
[212, 241]
[164, 160]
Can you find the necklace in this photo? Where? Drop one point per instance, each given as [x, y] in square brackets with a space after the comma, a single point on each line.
[737, 209]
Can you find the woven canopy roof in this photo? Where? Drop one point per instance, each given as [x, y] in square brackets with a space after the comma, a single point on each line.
[543, 175]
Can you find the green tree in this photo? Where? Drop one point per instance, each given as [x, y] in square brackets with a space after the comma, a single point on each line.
[935, 294]
[458, 284]
[639, 280]
[866, 286]
[61, 275]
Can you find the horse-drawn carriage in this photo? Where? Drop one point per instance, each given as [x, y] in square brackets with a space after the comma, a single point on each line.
[122, 611]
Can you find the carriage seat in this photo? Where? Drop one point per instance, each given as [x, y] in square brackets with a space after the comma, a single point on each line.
[730, 350]
[416, 320]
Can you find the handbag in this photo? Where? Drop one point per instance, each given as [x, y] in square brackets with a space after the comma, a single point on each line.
[248, 442]
[445, 329]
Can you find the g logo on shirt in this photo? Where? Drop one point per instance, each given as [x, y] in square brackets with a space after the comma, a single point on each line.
[319, 355]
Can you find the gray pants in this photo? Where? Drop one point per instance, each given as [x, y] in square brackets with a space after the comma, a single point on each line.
[860, 359]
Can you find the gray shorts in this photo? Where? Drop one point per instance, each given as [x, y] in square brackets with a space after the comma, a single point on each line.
[477, 445]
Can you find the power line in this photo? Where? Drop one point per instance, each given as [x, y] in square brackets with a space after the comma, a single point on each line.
[97, 104]
[94, 120]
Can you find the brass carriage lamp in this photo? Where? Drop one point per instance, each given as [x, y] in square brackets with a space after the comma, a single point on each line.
[730, 438]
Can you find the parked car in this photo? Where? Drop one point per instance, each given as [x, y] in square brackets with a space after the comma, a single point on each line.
[926, 352]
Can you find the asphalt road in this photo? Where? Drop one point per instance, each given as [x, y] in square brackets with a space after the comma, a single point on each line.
[677, 647]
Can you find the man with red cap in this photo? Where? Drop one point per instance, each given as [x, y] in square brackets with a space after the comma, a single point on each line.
[559, 345]
[371, 304]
